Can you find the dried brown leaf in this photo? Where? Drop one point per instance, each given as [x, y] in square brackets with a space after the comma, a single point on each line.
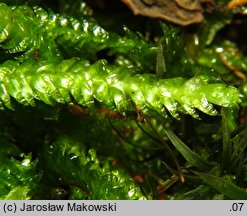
[182, 12]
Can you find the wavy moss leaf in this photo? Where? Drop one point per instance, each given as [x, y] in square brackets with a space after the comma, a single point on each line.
[15, 23]
[112, 86]
[21, 33]
[225, 187]
[18, 178]
[65, 161]
[23, 28]
[84, 38]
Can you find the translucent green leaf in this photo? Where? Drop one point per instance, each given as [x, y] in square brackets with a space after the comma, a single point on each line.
[225, 187]
[18, 193]
[66, 162]
[113, 87]
[200, 192]
[18, 178]
[192, 158]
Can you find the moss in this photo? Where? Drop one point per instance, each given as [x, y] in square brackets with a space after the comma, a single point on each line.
[110, 111]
